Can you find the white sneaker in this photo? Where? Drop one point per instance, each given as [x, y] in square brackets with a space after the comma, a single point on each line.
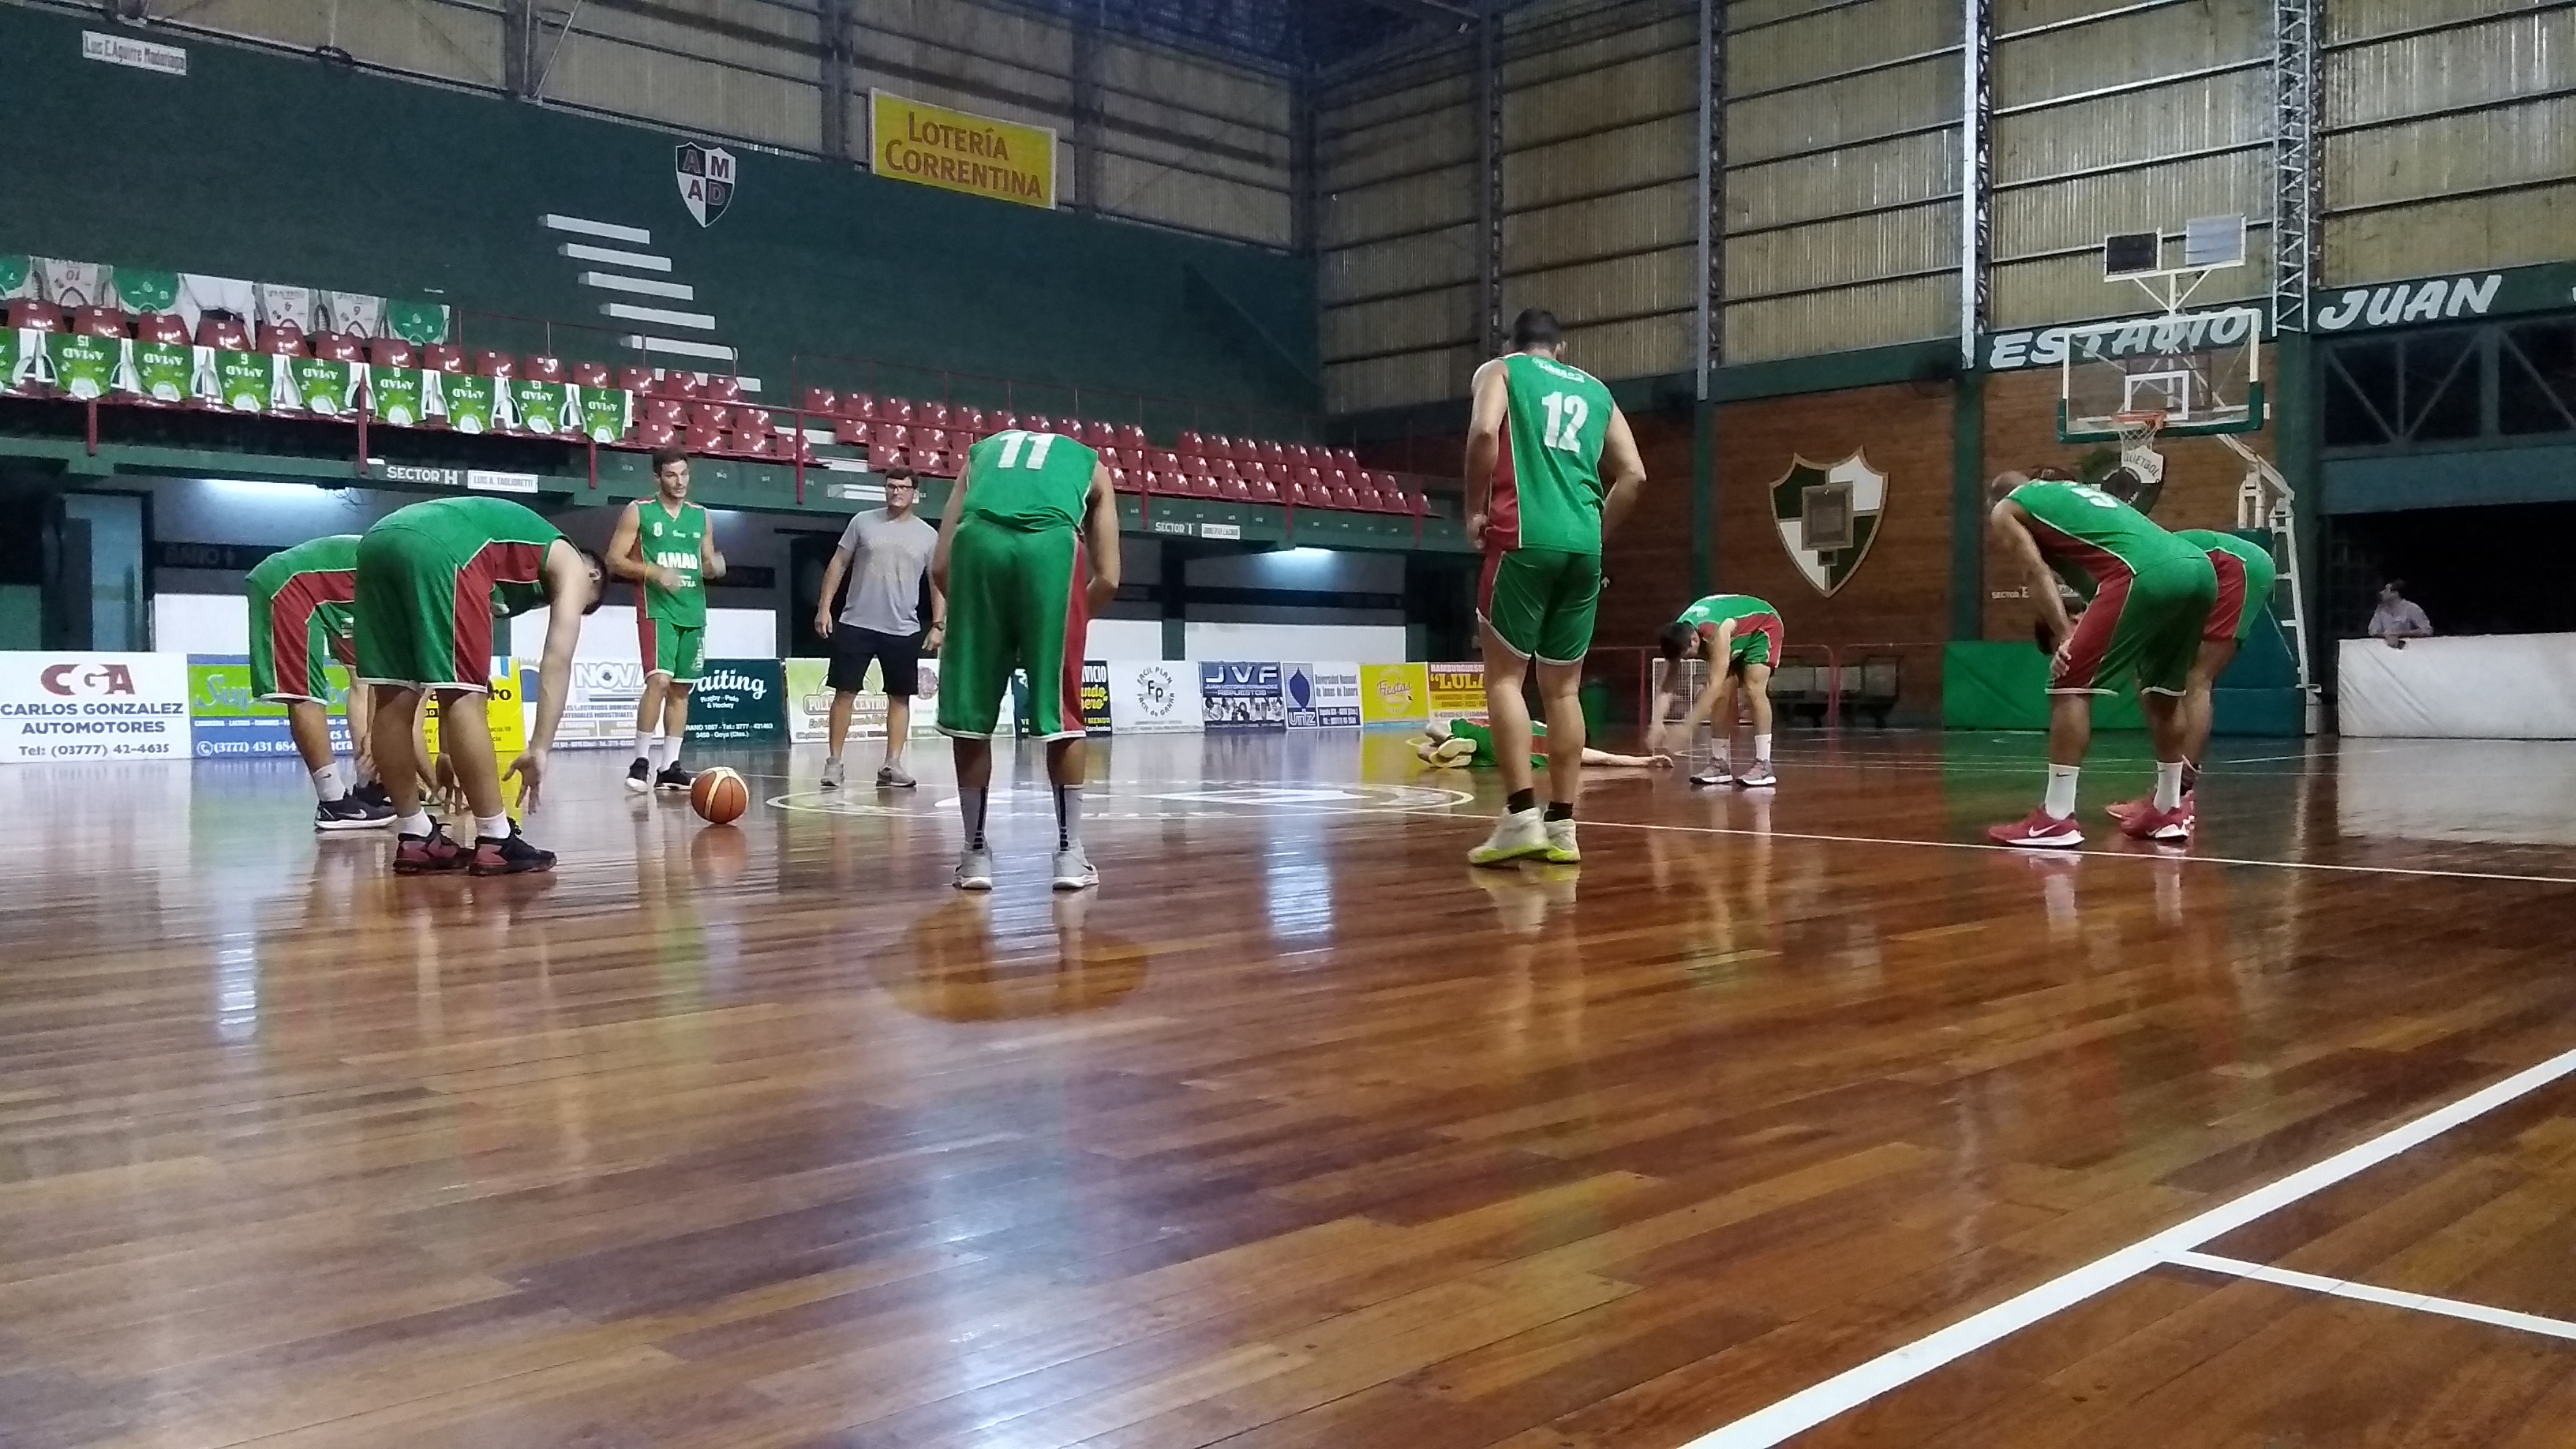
[1561, 849]
[892, 777]
[1074, 870]
[974, 870]
[832, 773]
[1517, 836]
[1713, 775]
[1759, 777]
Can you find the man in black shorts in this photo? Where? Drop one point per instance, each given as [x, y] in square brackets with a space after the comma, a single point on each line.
[885, 555]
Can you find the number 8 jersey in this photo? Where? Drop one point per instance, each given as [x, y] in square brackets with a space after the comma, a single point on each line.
[1547, 483]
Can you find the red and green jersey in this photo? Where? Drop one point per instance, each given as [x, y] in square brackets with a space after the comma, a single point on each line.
[2257, 559]
[1547, 479]
[1030, 481]
[674, 541]
[1716, 609]
[2087, 535]
[318, 576]
[481, 538]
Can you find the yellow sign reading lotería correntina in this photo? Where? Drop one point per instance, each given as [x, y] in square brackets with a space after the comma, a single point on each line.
[914, 141]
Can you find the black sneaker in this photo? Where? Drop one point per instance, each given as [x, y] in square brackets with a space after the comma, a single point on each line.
[428, 854]
[639, 776]
[373, 793]
[673, 778]
[509, 856]
[350, 813]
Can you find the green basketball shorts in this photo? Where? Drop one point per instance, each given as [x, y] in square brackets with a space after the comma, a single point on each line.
[424, 622]
[1015, 601]
[295, 632]
[1541, 601]
[2148, 623]
[674, 650]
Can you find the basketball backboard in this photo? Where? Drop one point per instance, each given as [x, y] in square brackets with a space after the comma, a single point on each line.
[2201, 370]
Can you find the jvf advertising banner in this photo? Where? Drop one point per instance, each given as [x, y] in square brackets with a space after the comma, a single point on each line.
[1394, 694]
[1149, 696]
[739, 701]
[1457, 690]
[224, 722]
[1241, 696]
[1320, 696]
[1095, 696]
[93, 707]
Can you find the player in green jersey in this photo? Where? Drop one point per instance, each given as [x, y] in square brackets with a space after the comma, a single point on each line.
[302, 618]
[1460, 743]
[433, 581]
[666, 546]
[2245, 576]
[1027, 509]
[2151, 594]
[1551, 470]
[1740, 639]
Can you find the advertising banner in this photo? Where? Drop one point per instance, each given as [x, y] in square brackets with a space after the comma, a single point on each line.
[1241, 696]
[599, 710]
[503, 712]
[1153, 696]
[1457, 690]
[1320, 696]
[1393, 694]
[739, 701]
[224, 722]
[1095, 696]
[959, 151]
[809, 704]
[93, 707]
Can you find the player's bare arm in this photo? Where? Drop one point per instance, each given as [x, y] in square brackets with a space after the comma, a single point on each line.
[1100, 538]
[1484, 445]
[711, 564]
[570, 589]
[625, 560]
[2012, 534]
[1624, 468]
[832, 573]
[948, 517]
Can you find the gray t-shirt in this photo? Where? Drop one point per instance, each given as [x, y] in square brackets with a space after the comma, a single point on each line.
[888, 556]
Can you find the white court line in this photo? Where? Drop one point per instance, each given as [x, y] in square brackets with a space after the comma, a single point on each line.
[2364, 1292]
[1856, 1386]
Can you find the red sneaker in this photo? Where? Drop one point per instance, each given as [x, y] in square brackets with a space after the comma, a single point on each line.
[2154, 824]
[2040, 831]
[2126, 808]
[510, 855]
[429, 854]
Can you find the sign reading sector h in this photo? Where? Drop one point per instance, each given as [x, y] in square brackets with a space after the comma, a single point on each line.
[961, 151]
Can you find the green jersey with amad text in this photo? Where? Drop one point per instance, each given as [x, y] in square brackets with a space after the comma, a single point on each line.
[1029, 481]
[462, 530]
[1547, 483]
[2087, 535]
[676, 542]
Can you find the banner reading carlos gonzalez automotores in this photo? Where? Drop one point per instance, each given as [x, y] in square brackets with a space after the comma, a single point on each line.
[93, 707]
[959, 151]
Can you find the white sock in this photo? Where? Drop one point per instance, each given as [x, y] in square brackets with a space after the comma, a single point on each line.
[646, 742]
[2168, 784]
[326, 783]
[665, 750]
[1761, 749]
[1717, 754]
[417, 823]
[492, 827]
[2061, 792]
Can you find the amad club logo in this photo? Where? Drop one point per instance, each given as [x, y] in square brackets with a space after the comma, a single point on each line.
[1828, 516]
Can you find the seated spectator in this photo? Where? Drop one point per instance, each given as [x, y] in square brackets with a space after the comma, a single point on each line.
[2398, 618]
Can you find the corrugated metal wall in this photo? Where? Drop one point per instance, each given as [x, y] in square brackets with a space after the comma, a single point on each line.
[2450, 136]
[1184, 141]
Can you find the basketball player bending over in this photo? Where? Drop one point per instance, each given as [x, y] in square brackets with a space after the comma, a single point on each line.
[433, 579]
[1026, 510]
[1739, 637]
[2245, 575]
[2151, 595]
[1540, 439]
[301, 617]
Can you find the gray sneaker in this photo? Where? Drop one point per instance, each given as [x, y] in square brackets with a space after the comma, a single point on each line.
[832, 773]
[1074, 870]
[974, 870]
[892, 777]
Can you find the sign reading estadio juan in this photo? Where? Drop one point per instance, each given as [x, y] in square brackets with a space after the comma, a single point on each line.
[960, 151]
[93, 707]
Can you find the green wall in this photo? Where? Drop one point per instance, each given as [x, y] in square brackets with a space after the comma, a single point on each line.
[283, 169]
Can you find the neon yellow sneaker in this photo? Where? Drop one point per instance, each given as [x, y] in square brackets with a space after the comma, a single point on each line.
[1561, 849]
[1517, 836]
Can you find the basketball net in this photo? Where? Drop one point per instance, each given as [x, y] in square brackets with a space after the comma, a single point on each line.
[2138, 445]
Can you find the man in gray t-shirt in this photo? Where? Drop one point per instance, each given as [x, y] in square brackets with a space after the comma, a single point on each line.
[885, 555]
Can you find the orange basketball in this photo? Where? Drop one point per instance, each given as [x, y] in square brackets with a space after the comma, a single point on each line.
[719, 795]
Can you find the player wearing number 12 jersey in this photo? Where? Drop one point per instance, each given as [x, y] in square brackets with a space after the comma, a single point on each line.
[1028, 512]
[2151, 593]
[1551, 469]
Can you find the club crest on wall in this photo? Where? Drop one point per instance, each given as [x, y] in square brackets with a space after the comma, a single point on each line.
[706, 177]
[1828, 516]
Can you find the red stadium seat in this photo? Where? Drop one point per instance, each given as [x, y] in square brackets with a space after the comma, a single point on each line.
[161, 327]
[749, 418]
[857, 405]
[1299, 496]
[895, 410]
[969, 421]
[495, 364]
[1273, 451]
[1132, 438]
[1100, 435]
[1194, 465]
[851, 432]
[710, 416]
[439, 357]
[932, 415]
[1211, 487]
[1240, 490]
[757, 443]
[1299, 455]
[637, 380]
[590, 374]
[26, 314]
[1126, 481]
[1214, 445]
[1000, 422]
[720, 389]
[1037, 423]
[1251, 472]
[221, 330]
[888, 441]
[702, 439]
[884, 456]
[821, 401]
[1265, 491]
[391, 352]
[283, 339]
[338, 347]
[1112, 458]
[1346, 497]
[540, 368]
[1345, 458]
[1247, 450]
[656, 435]
[1189, 443]
[98, 322]
[670, 412]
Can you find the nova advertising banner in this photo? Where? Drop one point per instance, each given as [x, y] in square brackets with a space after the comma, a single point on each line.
[1395, 694]
[1095, 696]
[93, 707]
[739, 701]
[599, 710]
[1241, 696]
[224, 722]
[1320, 696]
[1457, 690]
[1153, 696]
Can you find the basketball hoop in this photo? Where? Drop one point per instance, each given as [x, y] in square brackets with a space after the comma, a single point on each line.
[2138, 453]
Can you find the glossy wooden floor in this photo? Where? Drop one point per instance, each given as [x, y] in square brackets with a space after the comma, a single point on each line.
[1298, 1131]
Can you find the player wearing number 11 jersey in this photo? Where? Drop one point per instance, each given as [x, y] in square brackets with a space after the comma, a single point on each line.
[1551, 469]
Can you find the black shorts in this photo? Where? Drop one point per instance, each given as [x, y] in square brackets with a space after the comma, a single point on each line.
[853, 647]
